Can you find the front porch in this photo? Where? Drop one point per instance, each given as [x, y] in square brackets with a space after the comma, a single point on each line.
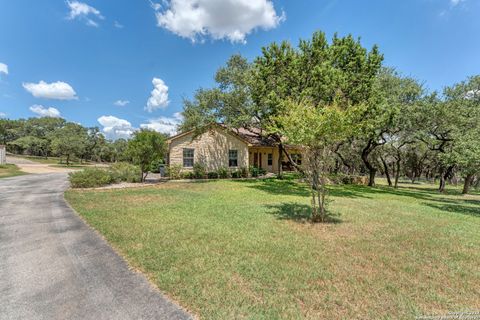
[267, 158]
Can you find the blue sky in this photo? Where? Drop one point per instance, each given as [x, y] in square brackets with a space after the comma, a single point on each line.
[75, 59]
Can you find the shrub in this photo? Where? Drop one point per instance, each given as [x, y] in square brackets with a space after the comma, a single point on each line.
[91, 178]
[223, 173]
[199, 171]
[212, 175]
[155, 165]
[174, 171]
[341, 178]
[262, 172]
[123, 171]
[256, 171]
[236, 174]
[243, 172]
[187, 175]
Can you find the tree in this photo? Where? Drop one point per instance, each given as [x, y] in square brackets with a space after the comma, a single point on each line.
[463, 99]
[69, 141]
[393, 126]
[318, 129]
[146, 147]
[253, 95]
[32, 145]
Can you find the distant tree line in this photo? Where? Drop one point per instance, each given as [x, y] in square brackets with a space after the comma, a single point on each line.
[55, 137]
[353, 115]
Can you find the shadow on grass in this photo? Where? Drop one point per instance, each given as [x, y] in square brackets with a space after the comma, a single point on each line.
[277, 187]
[297, 212]
[457, 209]
[295, 188]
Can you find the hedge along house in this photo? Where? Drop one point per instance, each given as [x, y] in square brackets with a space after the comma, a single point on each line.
[219, 147]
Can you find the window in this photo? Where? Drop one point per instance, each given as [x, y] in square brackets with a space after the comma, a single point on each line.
[188, 155]
[270, 159]
[233, 158]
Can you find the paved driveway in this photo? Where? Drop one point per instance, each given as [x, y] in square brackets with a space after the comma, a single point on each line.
[52, 266]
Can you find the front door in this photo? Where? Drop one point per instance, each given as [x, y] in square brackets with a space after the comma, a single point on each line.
[257, 159]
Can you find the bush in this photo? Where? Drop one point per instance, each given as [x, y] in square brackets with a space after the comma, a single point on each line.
[236, 174]
[243, 172]
[174, 171]
[341, 178]
[123, 171]
[212, 175]
[256, 171]
[155, 166]
[223, 173]
[187, 175]
[91, 178]
[199, 171]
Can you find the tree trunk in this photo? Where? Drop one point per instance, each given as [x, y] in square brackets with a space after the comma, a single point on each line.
[280, 173]
[444, 177]
[468, 183]
[387, 173]
[372, 170]
[397, 173]
[68, 159]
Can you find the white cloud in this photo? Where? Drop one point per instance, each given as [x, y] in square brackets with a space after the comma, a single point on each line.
[219, 19]
[456, 2]
[84, 12]
[118, 25]
[42, 111]
[115, 128]
[3, 68]
[121, 103]
[168, 125]
[159, 96]
[472, 94]
[3, 115]
[56, 90]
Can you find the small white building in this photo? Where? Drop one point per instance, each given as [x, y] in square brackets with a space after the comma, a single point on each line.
[3, 155]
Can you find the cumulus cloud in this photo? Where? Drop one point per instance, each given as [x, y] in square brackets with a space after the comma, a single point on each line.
[42, 111]
[118, 25]
[3, 115]
[84, 12]
[115, 128]
[159, 96]
[3, 68]
[121, 103]
[56, 90]
[472, 94]
[218, 19]
[167, 125]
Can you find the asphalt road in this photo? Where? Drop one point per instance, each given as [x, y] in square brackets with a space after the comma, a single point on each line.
[53, 266]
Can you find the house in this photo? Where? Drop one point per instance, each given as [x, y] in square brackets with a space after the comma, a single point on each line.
[220, 147]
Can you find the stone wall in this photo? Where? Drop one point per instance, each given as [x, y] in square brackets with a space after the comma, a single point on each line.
[211, 149]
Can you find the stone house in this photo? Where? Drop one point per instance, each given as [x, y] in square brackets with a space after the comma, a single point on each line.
[219, 147]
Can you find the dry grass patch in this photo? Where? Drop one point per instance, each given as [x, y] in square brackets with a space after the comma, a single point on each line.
[10, 170]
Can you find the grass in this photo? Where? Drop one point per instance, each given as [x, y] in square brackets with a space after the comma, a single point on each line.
[54, 161]
[9, 170]
[242, 249]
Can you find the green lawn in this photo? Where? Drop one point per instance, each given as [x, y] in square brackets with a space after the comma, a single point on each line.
[56, 161]
[242, 249]
[9, 170]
